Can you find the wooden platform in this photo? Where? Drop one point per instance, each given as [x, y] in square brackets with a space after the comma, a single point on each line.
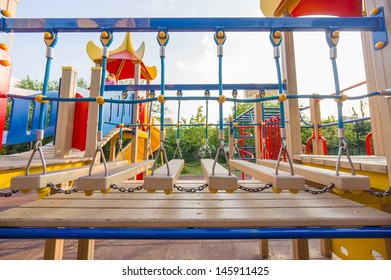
[240, 209]
[361, 163]
[187, 210]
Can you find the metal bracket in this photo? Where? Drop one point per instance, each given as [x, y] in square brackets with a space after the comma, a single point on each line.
[380, 38]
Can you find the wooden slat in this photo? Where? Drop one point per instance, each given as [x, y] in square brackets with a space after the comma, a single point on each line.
[37, 181]
[199, 217]
[221, 180]
[101, 182]
[160, 180]
[282, 181]
[344, 181]
[152, 203]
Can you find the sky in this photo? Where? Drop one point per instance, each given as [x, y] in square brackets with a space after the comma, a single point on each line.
[191, 57]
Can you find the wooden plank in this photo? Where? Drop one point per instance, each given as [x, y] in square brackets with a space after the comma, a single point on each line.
[160, 180]
[38, 181]
[282, 181]
[344, 181]
[149, 202]
[221, 180]
[155, 218]
[99, 181]
[54, 249]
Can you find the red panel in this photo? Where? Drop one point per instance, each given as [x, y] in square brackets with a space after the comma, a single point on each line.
[341, 8]
[80, 125]
[5, 76]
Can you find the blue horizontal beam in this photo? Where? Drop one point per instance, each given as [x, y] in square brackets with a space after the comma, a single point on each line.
[190, 24]
[193, 233]
[192, 87]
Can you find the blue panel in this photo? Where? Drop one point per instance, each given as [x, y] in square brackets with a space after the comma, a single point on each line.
[112, 111]
[189, 24]
[193, 233]
[18, 127]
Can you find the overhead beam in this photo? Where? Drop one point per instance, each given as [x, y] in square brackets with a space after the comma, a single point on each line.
[17, 25]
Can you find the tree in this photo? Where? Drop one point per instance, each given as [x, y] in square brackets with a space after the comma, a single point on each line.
[82, 83]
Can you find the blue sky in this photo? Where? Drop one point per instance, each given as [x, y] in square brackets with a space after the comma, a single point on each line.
[190, 58]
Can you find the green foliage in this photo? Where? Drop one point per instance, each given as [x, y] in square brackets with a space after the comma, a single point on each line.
[355, 133]
[82, 83]
[28, 83]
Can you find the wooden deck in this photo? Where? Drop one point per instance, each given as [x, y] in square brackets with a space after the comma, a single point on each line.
[142, 209]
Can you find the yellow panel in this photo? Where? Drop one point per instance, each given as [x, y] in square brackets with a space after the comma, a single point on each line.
[277, 8]
[359, 249]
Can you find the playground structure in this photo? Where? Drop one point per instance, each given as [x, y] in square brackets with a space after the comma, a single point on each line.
[277, 175]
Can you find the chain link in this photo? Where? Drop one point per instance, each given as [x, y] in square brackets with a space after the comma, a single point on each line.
[123, 189]
[60, 190]
[321, 191]
[191, 190]
[380, 194]
[259, 189]
[8, 194]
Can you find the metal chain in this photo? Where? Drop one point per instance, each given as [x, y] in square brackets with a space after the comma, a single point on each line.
[321, 191]
[8, 194]
[380, 194]
[191, 190]
[123, 189]
[60, 190]
[259, 189]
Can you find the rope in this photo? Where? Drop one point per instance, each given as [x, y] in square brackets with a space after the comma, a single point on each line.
[337, 92]
[280, 91]
[102, 92]
[221, 118]
[42, 111]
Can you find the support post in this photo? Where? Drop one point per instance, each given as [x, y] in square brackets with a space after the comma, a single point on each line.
[291, 105]
[231, 141]
[300, 249]
[317, 144]
[136, 116]
[378, 75]
[85, 249]
[92, 127]
[54, 249]
[257, 130]
[264, 248]
[65, 116]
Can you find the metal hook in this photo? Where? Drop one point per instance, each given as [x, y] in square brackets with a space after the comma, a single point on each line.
[99, 150]
[283, 149]
[37, 147]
